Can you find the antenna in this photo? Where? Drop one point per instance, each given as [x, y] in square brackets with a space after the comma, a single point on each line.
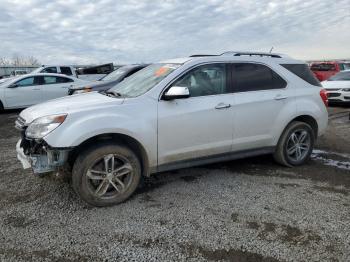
[271, 49]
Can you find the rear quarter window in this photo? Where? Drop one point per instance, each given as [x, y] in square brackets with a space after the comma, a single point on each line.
[302, 71]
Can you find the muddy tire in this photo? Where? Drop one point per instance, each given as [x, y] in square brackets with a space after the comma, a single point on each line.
[106, 174]
[295, 145]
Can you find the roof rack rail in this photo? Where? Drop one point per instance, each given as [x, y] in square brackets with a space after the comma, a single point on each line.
[200, 55]
[262, 54]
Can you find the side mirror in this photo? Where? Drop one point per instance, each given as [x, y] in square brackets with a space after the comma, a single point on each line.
[176, 92]
[13, 86]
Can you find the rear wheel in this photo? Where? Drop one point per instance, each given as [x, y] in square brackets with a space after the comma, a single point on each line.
[1, 107]
[295, 145]
[106, 174]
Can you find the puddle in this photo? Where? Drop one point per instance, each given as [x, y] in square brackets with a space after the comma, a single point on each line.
[327, 158]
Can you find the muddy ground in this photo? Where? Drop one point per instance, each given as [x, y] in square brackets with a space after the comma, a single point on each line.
[244, 210]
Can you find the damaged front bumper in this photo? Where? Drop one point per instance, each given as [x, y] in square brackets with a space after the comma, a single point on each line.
[40, 157]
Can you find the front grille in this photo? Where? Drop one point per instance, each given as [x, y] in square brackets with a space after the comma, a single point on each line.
[20, 123]
[333, 94]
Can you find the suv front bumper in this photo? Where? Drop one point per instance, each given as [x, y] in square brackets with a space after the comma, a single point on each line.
[42, 159]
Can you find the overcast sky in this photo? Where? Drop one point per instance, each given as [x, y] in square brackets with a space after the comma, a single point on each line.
[79, 31]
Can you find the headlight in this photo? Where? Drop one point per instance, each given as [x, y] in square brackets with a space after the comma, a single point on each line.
[85, 90]
[346, 89]
[41, 126]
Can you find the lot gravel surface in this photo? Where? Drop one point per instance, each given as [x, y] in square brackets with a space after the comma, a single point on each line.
[244, 210]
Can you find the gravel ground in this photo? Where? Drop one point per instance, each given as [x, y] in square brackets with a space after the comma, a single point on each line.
[244, 210]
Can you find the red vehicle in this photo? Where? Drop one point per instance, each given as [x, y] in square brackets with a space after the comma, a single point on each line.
[324, 70]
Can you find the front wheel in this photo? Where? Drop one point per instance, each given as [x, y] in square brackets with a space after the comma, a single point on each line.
[295, 145]
[106, 174]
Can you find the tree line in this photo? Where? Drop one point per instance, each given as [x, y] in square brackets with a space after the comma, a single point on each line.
[19, 60]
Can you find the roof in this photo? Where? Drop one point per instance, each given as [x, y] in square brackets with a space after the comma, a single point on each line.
[237, 56]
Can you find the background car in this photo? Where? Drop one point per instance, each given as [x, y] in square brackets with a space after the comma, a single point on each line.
[338, 87]
[30, 89]
[108, 81]
[324, 70]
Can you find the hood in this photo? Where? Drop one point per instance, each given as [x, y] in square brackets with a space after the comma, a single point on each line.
[69, 104]
[95, 84]
[336, 84]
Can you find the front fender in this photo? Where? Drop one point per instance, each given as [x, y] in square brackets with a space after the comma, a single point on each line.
[76, 130]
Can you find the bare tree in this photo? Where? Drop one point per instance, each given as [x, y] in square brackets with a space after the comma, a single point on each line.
[19, 60]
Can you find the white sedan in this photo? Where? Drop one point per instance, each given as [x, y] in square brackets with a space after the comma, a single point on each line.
[338, 87]
[30, 89]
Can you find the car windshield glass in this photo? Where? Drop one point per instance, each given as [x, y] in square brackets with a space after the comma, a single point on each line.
[115, 74]
[143, 80]
[322, 67]
[342, 76]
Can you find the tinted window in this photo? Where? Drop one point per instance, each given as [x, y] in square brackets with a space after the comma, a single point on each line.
[254, 77]
[205, 80]
[63, 80]
[66, 70]
[49, 70]
[303, 71]
[322, 67]
[26, 82]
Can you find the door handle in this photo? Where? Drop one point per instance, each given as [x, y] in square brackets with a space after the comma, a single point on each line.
[280, 97]
[222, 106]
[36, 89]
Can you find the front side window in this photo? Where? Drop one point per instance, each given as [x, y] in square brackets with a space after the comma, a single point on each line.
[255, 77]
[29, 81]
[205, 80]
[143, 80]
[52, 69]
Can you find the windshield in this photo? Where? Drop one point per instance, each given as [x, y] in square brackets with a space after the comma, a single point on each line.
[143, 80]
[115, 74]
[342, 76]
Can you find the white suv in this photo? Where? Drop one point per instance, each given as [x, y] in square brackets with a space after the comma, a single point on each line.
[175, 114]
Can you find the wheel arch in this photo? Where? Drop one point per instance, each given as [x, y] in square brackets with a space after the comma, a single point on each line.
[311, 121]
[123, 139]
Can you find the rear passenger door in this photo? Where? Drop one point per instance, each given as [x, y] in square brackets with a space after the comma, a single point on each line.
[260, 97]
[55, 86]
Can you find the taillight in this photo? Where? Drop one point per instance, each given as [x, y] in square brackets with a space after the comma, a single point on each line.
[323, 95]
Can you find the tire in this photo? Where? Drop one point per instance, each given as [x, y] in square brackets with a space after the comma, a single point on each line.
[90, 183]
[286, 154]
[1, 107]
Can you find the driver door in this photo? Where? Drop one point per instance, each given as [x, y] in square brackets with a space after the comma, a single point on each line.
[201, 125]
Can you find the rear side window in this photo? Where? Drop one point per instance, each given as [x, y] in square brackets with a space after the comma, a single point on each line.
[50, 80]
[255, 77]
[303, 71]
[63, 80]
[66, 70]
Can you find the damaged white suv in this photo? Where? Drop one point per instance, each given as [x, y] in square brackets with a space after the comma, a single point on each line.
[175, 114]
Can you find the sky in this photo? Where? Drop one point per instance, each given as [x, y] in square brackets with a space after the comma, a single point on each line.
[92, 32]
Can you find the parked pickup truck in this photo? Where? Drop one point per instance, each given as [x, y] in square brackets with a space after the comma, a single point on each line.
[324, 70]
[89, 74]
